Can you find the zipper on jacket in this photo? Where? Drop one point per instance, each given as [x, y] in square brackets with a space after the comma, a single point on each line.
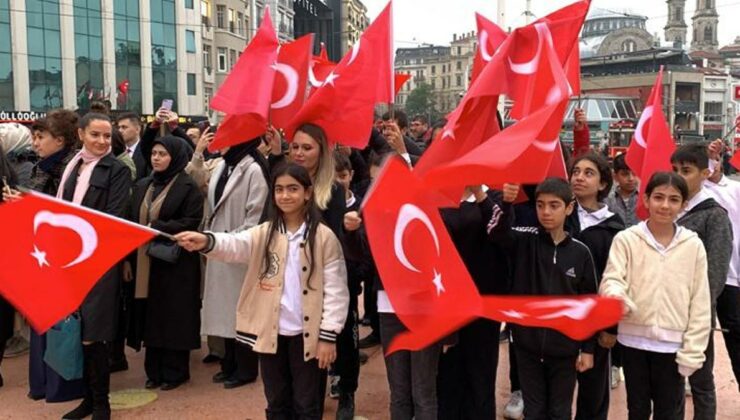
[555, 255]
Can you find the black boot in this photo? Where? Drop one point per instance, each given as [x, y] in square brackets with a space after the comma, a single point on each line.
[86, 406]
[100, 381]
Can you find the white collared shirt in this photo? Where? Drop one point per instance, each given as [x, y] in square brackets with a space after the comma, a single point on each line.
[130, 150]
[701, 196]
[727, 193]
[655, 243]
[588, 219]
[291, 306]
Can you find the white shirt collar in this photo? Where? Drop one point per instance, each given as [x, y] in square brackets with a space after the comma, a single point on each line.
[133, 147]
[654, 242]
[700, 197]
[588, 219]
[298, 234]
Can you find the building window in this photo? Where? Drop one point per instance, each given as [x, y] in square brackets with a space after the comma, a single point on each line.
[189, 4]
[220, 16]
[240, 23]
[232, 21]
[207, 58]
[88, 29]
[189, 41]
[205, 13]
[232, 59]
[207, 95]
[44, 54]
[191, 84]
[458, 65]
[708, 34]
[434, 69]
[164, 52]
[222, 60]
[458, 80]
[6, 64]
[459, 50]
[128, 54]
[629, 46]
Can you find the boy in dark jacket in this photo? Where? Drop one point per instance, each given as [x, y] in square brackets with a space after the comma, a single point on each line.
[709, 220]
[546, 261]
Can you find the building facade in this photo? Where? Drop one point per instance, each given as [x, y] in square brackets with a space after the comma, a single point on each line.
[282, 15]
[68, 53]
[705, 21]
[227, 28]
[317, 17]
[446, 70]
[675, 28]
[354, 20]
[608, 32]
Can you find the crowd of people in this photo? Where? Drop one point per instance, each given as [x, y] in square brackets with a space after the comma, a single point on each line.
[271, 257]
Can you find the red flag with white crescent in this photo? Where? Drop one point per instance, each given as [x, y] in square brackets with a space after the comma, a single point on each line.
[428, 284]
[490, 38]
[289, 89]
[59, 251]
[652, 144]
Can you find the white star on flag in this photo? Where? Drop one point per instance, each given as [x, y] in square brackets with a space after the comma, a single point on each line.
[330, 79]
[438, 283]
[40, 257]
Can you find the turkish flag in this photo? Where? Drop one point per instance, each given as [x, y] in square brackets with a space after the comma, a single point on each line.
[430, 288]
[289, 90]
[59, 252]
[343, 106]
[426, 281]
[320, 69]
[515, 155]
[652, 144]
[573, 69]
[490, 38]
[246, 94]
[401, 79]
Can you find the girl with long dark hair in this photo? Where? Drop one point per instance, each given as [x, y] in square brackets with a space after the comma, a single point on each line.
[294, 300]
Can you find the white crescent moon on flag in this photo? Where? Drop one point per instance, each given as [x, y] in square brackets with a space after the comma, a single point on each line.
[291, 77]
[406, 215]
[355, 51]
[483, 45]
[529, 67]
[647, 114]
[312, 78]
[82, 227]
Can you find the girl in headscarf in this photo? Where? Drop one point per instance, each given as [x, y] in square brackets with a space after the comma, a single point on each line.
[168, 294]
[7, 313]
[16, 141]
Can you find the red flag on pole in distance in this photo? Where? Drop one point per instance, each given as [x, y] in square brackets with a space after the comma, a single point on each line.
[490, 38]
[246, 94]
[343, 106]
[59, 251]
[652, 144]
[401, 79]
[429, 286]
[289, 90]
[735, 161]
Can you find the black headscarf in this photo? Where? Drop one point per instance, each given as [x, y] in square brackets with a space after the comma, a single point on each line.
[178, 151]
[233, 157]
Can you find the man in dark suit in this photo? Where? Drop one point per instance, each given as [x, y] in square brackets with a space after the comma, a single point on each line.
[130, 128]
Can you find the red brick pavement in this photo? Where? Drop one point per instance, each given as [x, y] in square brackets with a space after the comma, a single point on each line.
[201, 399]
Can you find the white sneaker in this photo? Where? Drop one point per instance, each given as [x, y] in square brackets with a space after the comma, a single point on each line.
[515, 407]
[616, 376]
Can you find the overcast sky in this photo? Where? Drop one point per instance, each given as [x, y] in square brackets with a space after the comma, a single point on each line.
[434, 21]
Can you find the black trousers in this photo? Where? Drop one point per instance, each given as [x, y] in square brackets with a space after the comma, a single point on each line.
[653, 385]
[616, 355]
[292, 385]
[347, 365]
[513, 368]
[594, 386]
[167, 366]
[466, 379]
[240, 362]
[547, 385]
[370, 299]
[412, 375]
[728, 313]
[703, 391]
